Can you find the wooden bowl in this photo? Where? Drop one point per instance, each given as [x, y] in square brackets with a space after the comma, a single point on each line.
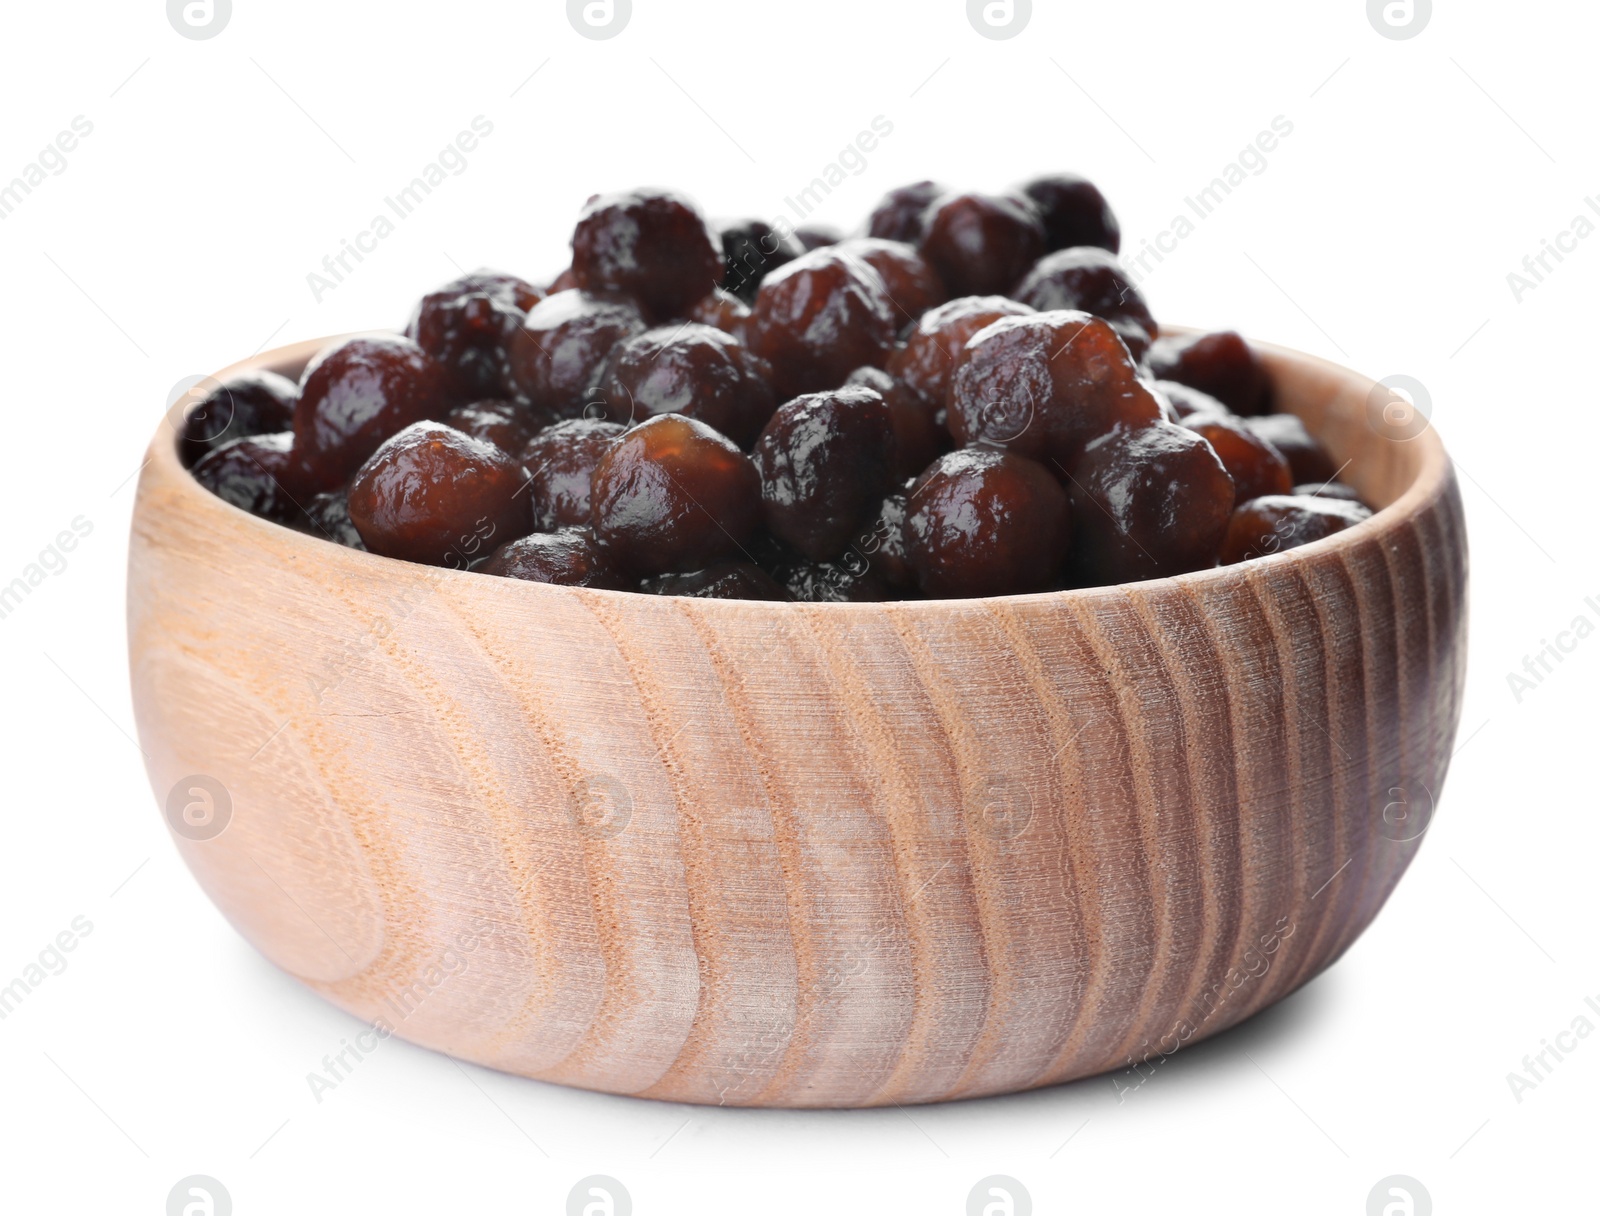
[825, 855]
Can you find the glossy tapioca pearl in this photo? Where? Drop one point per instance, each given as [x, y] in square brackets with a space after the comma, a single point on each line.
[1220, 364]
[250, 403]
[846, 579]
[1186, 400]
[898, 214]
[825, 460]
[693, 370]
[256, 474]
[435, 496]
[1256, 466]
[673, 495]
[467, 324]
[558, 352]
[818, 319]
[1073, 212]
[1044, 385]
[721, 310]
[653, 246]
[1308, 460]
[933, 347]
[356, 394]
[911, 283]
[328, 516]
[1147, 502]
[751, 249]
[920, 435]
[568, 558]
[561, 461]
[1090, 279]
[985, 522]
[724, 581]
[882, 542]
[1275, 523]
[506, 424]
[981, 244]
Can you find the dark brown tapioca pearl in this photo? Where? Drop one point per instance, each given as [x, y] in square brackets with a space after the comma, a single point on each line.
[925, 363]
[825, 459]
[848, 579]
[1308, 460]
[724, 581]
[898, 215]
[1185, 400]
[818, 319]
[981, 244]
[1220, 364]
[983, 522]
[920, 435]
[674, 495]
[883, 543]
[1073, 212]
[751, 249]
[256, 474]
[815, 236]
[1147, 502]
[1256, 466]
[561, 460]
[355, 395]
[505, 424]
[433, 495]
[722, 310]
[559, 351]
[568, 558]
[1091, 280]
[1046, 384]
[693, 370]
[328, 516]
[652, 245]
[1327, 489]
[250, 403]
[467, 325]
[912, 285]
[1277, 522]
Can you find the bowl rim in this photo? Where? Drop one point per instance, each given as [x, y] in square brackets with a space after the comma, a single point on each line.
[1434, 472]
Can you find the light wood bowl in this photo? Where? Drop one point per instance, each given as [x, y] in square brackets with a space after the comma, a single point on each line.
[825, 855]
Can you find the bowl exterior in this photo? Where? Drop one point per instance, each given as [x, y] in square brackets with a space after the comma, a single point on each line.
[802, 855]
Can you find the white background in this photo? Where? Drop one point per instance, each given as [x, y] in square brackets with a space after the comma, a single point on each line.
[220, 172]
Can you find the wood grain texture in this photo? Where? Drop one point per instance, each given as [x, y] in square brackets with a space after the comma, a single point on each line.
[806, 855]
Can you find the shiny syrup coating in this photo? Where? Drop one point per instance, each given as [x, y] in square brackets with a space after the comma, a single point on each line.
[568, 558]
[1073, 212]
[561, 460]
[825, 460]
[883, 542]
[433, 495]
[255, 474]
[1275, 522]
[466, 325]
[721, 310]
[818, 319]
[250, 403]
[1256, 466]
[981, 244]
[1186, 400]
[898, 214]
[724, 581]
[984, 522]
[1148, 502]
[653, 246]
[1091, 280]
[912, 284]
[1308, 460]
[558, 353]
[751, 249]
[355, 395]
[932, 349]
[673, 495]
[1046, 384]
[505, 424]
[328, 516]
[925, 363]
[692, 370]
[1220, 364]
[920, 436]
